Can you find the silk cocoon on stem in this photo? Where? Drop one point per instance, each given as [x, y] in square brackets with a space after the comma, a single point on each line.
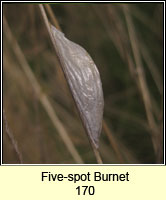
[84, 81]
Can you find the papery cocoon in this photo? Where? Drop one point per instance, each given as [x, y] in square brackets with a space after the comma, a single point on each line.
[84, 81]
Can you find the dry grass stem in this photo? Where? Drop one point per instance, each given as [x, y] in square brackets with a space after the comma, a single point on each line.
[12, 139]
[141, 77]
[152, 67]
[113, 142]
[52, 16]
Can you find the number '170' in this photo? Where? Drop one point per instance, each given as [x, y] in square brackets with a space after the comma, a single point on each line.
[83, 190]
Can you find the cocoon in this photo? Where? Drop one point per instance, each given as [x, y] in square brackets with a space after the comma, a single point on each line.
[84, 81]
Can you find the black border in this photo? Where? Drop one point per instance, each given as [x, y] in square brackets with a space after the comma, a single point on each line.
[73, 2]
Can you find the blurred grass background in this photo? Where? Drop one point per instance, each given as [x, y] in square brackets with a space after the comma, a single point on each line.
[126, 43]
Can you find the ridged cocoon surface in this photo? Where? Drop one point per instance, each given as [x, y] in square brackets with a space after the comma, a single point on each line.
[84, 81]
